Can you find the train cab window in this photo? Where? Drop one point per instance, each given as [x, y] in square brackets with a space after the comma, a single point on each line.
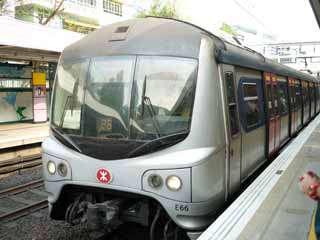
[282, 90]
[251, 100]
[68, 97]
[232, 105]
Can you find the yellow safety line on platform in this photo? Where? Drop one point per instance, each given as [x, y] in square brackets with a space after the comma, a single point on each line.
[312, 232]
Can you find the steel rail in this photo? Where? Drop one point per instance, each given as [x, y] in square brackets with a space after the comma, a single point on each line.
[24, 211]
[21, 188]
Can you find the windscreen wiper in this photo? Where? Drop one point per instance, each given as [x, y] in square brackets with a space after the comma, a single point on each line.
[158, 142]
[70, 101]
[146, 101]
[66, 139]
[64, 111]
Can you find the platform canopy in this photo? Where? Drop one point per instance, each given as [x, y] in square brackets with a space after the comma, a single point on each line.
[315, 4]
[30, 41]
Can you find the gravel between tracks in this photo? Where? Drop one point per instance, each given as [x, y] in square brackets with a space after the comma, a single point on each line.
[39, 226]
[36, 226]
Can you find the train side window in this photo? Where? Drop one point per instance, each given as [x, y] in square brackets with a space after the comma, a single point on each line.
[232, 105]
[251, 100]
[230, 87]
[283, 99]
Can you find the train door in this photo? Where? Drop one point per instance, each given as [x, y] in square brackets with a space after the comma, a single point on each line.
[313, 100]
[293, 106]
[317, 98]
[316, 93]
[310, 91]
[252, 119]
[306, 103]
[283, 108]
[233, 128]
[273, 116]
[299, 102]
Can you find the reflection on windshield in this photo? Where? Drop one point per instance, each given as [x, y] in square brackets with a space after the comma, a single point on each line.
[167, 85]
[108, 97]
[68, 96]
[124, 101]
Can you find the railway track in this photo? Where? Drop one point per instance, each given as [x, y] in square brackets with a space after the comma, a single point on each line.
[21, 188]
[28, 208]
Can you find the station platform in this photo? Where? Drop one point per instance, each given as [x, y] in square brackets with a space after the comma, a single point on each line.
[13, 135]
[273, 207]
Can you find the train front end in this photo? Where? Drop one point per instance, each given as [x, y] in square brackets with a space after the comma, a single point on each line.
[130, 140]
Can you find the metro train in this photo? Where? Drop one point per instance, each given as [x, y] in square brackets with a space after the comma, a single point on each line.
[158, 123]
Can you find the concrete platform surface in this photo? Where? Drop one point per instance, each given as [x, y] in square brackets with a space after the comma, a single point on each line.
[12, 135]
[272, 207]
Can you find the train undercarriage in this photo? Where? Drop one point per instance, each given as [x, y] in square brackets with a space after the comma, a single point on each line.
[117, 215]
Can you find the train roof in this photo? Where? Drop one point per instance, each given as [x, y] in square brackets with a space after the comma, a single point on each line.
[246, 57]
[149, 36]
[144, 36]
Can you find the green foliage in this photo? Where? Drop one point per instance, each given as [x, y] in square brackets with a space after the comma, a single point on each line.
[160, 8]
[42, 15]
[228, 29]
[3, 7]
[2, 4]
[30, 11]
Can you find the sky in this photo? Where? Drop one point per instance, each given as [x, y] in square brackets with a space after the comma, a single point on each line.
[289, 20]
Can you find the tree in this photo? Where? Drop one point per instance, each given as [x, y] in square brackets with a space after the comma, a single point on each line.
[5, 7]
[160, 8]
[57, 9]
[42, 14]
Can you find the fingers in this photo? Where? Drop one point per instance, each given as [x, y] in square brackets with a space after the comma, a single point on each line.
[306, 180]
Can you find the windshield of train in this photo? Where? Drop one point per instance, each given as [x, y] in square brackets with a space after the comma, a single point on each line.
[123, 106]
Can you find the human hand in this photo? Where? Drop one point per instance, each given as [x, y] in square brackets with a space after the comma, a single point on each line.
[309, 183]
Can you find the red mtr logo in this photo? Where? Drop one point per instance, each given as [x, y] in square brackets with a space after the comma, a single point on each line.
[104, 175]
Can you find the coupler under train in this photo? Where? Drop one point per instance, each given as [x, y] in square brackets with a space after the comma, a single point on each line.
[109, 216]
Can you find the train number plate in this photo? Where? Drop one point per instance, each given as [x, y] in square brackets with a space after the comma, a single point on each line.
[181, 208]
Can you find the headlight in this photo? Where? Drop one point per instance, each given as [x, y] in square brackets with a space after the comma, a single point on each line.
[174, 183]
[62, 170]
[155, 181]
[51, 167]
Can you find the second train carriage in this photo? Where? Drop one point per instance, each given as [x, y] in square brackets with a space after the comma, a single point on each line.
[160, 114]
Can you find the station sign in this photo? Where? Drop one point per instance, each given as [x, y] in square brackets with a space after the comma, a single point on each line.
[39, 97]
